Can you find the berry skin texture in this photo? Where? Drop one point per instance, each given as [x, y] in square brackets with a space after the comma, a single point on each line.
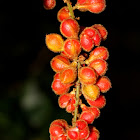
[58, 87]
[87, 43]
[94, 134]
[87, 75]
[68, 75]
[100, 102]
[98, 53]
[102, 30]
[90, 92]
[69, 28]
[59, 62]
[80, 131]
[104, 84]
[72, 48]
[49, 4]
[63, 13]
[99, 65]
[97, 38]
[54, 42]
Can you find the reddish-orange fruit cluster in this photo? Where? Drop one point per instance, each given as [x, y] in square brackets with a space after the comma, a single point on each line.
[80, 71]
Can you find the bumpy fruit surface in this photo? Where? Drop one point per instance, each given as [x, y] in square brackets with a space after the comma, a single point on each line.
[79, 132]
[90, 92]
[102, 30]
[104, 84]
[54, 42]
[59, 62]
[98, 53]
[87, 75]
[99, 65]
[100, 102]
[72, 48]
[94, 134]
[58, 87]
[97, 39]
[69, 28]
[49, 4]
[63, 13]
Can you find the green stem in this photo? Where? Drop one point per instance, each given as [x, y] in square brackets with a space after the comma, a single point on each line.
[77, 98]
[70, 8]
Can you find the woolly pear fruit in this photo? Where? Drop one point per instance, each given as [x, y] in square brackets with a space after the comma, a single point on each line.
[96, 6]
[94, 134]
[90, 92]
[58, 87]
[104, 84]
[63, 13]
[87, 43]
[87, 75]
[102, 30]
[97, 39]
[72, 48]
[69, 28]
[98, 53]
[49, 4]
[89, 31]
[99, 65]
[100, 102]
[56, 130]
[54, 42]
[89, 114]
[59, 62]
[61, 123]
[79, 132]
[68, 75]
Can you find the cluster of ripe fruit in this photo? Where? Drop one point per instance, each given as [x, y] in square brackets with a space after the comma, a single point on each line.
[80, 66]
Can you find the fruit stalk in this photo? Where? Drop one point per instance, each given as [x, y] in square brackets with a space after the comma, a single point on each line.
[70, 8]
[77, 97]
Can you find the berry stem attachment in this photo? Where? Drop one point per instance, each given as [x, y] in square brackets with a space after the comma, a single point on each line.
[77, 98]
[70, 8]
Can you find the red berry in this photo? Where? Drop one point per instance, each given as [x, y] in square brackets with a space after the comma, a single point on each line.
[90, 92]
[69, 28]
[63, 13]
[87, 75]
[94, 134]
[98, 53]
[72, 48]
[49, 4]
[63, 100]
[104, 84]
[59, 62]
[73, 133]
[102, 30]
[89, 31]
[97, 39]
[81, 1]
[68, 75]
[87, 43]
[99, 102]
[58, 87]
[99, 65]
[56, 130]
[54, 42]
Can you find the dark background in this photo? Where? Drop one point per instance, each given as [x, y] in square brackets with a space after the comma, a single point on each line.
[27, 103]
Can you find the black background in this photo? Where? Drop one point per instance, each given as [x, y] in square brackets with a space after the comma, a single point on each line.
[23, 56]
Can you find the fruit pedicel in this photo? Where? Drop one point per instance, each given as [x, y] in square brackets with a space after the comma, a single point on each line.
[80, 66]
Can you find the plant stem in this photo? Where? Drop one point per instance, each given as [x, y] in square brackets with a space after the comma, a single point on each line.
[70, 8]
[77, 98]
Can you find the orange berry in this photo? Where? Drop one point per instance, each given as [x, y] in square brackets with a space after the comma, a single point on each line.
[68, 75]
[69, 28]
[98, 53]
[49, 4]
[91, 92]
[87, 75]
[54, 42]
[89, 31]
[100, 102]
[102, 30]
[104, 84]
[72, 48]
[63, 13]
[59, 62]
[97, 39]
[99, 65]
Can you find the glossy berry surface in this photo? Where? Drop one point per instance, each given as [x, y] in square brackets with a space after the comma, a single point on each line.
[49, 4]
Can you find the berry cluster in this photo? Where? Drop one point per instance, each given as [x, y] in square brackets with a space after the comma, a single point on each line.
[80, 66]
